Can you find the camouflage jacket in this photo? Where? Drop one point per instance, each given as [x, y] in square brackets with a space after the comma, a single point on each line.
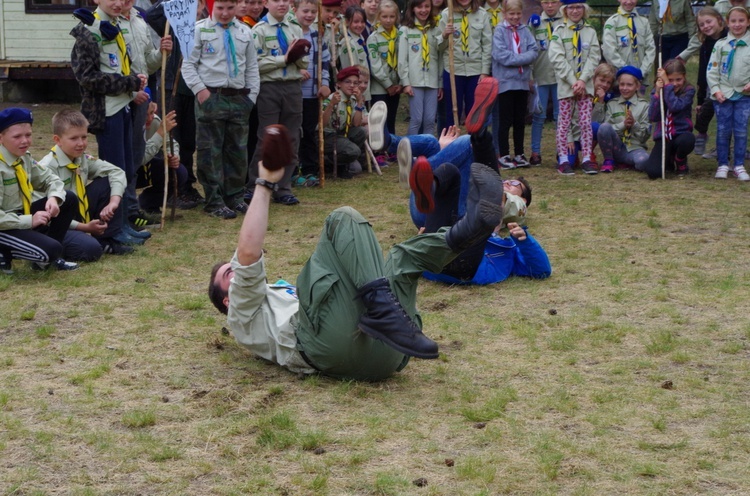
[95, 84]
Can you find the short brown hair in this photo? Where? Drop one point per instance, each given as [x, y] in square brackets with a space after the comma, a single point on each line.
[67, 118]
[215, 294]
[526, 195]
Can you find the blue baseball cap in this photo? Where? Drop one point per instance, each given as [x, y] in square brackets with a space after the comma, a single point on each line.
[14, 115]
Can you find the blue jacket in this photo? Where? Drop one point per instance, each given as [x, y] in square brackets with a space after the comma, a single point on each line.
[505, 257]
[511, 69]
[680, 106]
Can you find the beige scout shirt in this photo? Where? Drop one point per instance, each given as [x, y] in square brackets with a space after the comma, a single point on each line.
[338, 115]
[263, 318]
[543, 72]
[718, 76]
[565, 63]
[410, 69]
[11, 204]
[207, 64]
[639, 133]
[383, 75]
[145, 58]
[89, 168]
[617, 45]
[679, 20]
[479, 58]
[271, 61]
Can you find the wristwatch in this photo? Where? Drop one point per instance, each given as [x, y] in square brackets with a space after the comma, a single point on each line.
[268, 184]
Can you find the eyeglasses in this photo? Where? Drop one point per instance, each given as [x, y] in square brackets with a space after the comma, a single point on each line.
[513, 182]
[349, 82]
[575, 7]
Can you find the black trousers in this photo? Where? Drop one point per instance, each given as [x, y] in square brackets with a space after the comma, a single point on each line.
[391, 102]
[184, 133]
[308, 143]
[703, 119]
[677, 150]
[513, 106]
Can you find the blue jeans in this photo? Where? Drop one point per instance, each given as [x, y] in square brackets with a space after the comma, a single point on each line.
[731, 118]
[546, 92]
[421, 144]
[465, 86]
[458, 153]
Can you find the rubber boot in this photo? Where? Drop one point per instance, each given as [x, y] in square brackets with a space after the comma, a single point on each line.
[484, 209]
[387, 321]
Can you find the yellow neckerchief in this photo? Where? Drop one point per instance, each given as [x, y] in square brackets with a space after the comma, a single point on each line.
[121, 46]
[549, 21]
[24, 184]
[495, 14]
[577, 47]
[626, 132]
[83, 199]
[392, 60]
[465, 31]
[630, 16]
[425, 45]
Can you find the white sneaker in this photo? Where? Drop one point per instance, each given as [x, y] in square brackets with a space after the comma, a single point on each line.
[521, 161]
[722, 171]
[741, 174]
[403, 157]
[376, 125]
[506, 162]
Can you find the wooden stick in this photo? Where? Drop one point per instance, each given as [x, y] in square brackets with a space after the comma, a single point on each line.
[321, 130]
[173, 172]
[164, 56]
[371, 158]
[661, 107]
[334, 172]
[451, 67]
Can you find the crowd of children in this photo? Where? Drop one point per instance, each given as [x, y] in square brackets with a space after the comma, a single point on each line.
[262, 62]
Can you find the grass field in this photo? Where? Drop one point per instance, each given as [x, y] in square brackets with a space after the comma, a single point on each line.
[626, 372]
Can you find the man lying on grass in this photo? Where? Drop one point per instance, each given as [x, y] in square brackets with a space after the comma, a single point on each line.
[353, 313]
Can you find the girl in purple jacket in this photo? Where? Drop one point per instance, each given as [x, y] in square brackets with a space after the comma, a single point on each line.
[677, 125]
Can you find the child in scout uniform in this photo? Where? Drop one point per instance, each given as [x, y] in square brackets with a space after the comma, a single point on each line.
[282, 56]
[472, 50]
[677, 27]
[101, 63]
[342, 118]
[419, 65]
[371, 8]
[222, 72]
[30, 230]
[355, 24]
[628, 40]
[306, 12]
[728, 78]
[574, 54]
[383, 46]
[99, 186]
[543, 73]
[623, 137]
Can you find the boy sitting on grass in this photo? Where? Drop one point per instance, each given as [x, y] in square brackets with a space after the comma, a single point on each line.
[342, 118]
[98, 185]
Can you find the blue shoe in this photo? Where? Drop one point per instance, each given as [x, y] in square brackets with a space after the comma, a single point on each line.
[126, 239]
[128, 229]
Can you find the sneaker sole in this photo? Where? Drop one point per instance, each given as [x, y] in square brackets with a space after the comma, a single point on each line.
[484, 97]
[377, 116]
[406, 351]
[490, 189]
[420, 182]
[404, 157]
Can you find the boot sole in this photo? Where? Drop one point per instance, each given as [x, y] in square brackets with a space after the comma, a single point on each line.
[376, 118]
[412, 353]
[420, 182]
[404, 156]
[489, 183]
[484, 97]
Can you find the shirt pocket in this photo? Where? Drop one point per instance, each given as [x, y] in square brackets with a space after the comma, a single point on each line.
[109, 57]
[273, 48]
[241, 42]
[210, 44]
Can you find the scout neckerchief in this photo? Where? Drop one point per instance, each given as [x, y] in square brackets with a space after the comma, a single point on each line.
[348, 117]
[229, 49]
[23, 183]
[669, 125]
[83, 199]
[361, 43]
[121, 46]
[550, 21]
[630, 16]
[626, 132]
[425, 45]
[516, 41]
[577, 48]
[465, 31]
[730, 58]
[249, 21]
[392, 60]
[495, 13]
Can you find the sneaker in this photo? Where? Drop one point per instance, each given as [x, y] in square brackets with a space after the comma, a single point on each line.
[484, 98]
[192, 194]
[589, 168]
[222, 213]
[593, 161]
[565, 169]
[59, 264]
[241, 207]
[683, 170]
[133, 233]
[506, 162]
[6, 266]
[112, 247]
[404, 157]
[700, 144]
[376, 126]
[420, 182]
[710, 155]
[740, 173]
[722, 172]
[143, 220]
[535, 159]
[607, 167]
[124, 238]
[248, 195]
[520, 161]
[287, 200]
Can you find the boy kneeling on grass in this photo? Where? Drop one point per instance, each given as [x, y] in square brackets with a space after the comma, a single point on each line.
[99, 186]
[30, 230]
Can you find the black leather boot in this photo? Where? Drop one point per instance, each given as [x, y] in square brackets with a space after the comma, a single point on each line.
[386, 320]
[484, 209]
